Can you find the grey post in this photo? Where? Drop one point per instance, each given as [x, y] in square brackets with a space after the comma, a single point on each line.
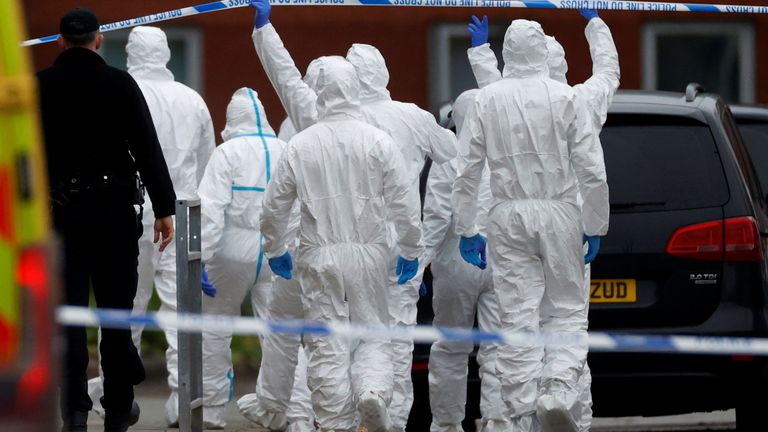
[189, 300]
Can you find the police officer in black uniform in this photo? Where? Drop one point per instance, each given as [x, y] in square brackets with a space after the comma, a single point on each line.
[99, 135]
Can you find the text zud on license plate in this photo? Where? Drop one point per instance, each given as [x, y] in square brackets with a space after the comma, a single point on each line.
[613, 291]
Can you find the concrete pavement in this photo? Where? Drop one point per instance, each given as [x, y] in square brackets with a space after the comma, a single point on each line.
[152, 394]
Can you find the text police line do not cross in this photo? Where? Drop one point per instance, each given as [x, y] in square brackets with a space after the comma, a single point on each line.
[613, 5]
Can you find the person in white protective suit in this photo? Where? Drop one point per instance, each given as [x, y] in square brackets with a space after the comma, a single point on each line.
[279, 402]
[231, 193]
[542, 152]
[596, 94]
[460, 292]
[185, 131]
[347, 177]
[417, 135]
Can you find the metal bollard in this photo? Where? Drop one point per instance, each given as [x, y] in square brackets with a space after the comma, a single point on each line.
[189, 300]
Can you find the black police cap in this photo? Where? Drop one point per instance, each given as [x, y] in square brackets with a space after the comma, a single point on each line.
[78, 21]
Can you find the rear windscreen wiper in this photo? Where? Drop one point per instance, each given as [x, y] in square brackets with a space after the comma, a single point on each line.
[627, 205]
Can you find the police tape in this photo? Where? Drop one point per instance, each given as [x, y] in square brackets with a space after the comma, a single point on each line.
[596, 341]
[615, 5]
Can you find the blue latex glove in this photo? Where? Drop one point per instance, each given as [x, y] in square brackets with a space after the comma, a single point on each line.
[282, 266]
[423, 289]
[263, 9]
[406, 269]
[479, 31]
[588, 13]
[208, 288]
[472, 249]
[594, 248]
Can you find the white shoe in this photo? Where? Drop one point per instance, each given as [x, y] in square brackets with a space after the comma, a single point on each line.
[554, 414]
[215, 417]
[251, 409]
[274, 421]
[301, 426]
[373, 413]
[96, 391]
[493, 425]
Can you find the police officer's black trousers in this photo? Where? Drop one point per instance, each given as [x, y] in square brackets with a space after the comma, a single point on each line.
[100, 243]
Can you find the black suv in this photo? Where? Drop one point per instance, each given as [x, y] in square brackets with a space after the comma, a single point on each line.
[753, 125]
[685, 255]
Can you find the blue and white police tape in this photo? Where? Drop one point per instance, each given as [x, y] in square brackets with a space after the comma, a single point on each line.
[598, 342]
[617, 5]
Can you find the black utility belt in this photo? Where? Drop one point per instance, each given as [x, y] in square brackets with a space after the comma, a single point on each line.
[102, 187]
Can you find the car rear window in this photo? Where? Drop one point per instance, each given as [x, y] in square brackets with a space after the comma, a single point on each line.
[756, 140]
[661, 163]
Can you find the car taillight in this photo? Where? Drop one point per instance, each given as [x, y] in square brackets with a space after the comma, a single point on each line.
[32, 276]
[733, 239]
[742, 241]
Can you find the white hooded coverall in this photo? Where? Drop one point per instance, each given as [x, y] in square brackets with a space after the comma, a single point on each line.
[596, 95]
[460, 292]
[417, 135]
[231, 194]
[279, 402]
[348, 177]
[542, 153]
[186, 135]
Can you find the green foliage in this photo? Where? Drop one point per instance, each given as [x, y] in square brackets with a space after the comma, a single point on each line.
[246, 350]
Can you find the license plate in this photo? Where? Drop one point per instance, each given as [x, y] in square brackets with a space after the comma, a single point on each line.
[613, 291]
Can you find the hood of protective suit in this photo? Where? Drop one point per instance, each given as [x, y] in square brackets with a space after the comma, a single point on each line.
[148, 54]
[525, 50]
[558, 67]
[338, 89]
[246, 116]
[310, 77]
[461, 107]
[371, 71]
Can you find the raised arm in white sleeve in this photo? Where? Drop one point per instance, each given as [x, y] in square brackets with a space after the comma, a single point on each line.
[599, 89]
[471, 164]
[277, 212]
[215, 193]
[437, 206]
[485, 65]
[589, 166]
[297, 97]
[402, 202]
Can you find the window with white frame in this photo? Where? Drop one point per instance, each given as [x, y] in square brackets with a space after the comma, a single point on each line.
[449, 70]
[719, 56]
[186, 54]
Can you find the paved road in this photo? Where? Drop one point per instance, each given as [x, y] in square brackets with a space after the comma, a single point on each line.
[152, 419]
[151, 396]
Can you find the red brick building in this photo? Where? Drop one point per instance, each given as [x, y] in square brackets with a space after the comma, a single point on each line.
[425, 47]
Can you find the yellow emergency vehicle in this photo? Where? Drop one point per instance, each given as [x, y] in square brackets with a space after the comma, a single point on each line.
[27, 374]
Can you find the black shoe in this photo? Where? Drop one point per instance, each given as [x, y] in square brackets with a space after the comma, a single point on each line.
[120, 422]
[76, 422]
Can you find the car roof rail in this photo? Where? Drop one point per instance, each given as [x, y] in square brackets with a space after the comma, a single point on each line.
[692, 90]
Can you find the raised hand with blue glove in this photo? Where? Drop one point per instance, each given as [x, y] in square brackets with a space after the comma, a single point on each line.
[263, 9]
[479, 31]
[593, 249]
[406, 269]
[282, 266]
[472, 249]
[589, 13]
[208, 288]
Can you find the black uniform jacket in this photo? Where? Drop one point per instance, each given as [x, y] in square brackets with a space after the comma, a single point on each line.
[97, 124]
